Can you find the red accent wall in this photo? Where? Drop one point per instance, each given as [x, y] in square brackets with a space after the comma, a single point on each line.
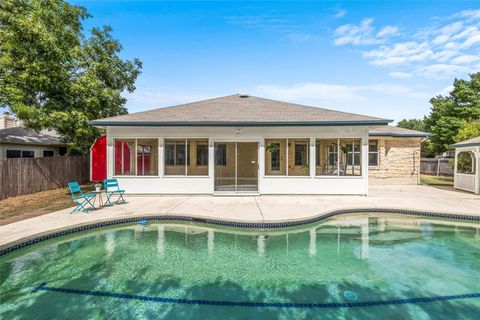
[99, 159]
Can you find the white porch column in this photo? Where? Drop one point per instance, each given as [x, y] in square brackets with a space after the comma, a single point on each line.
[110, 152]
[312, 159]
[364, 155]
[477, 170]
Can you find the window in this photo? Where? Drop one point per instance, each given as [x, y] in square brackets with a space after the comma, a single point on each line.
[202, 154]
[147, 157]
[62, 151]
[287, 157]
[14, 154]
[221, 154]
[327, 157]
[466, 162]
[47, 153]
[186, 157]
[28, 154]
[198, 152]
[298, 157]
[350, 157]
[124, 156]
[373, 152]
[275, 157]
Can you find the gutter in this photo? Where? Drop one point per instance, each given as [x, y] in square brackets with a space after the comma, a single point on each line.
[400, 135]
[236, 124]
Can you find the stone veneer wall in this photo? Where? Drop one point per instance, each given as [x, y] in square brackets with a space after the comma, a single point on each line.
[399, 161]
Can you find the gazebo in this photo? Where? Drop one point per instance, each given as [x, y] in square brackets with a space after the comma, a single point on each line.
[467, 165]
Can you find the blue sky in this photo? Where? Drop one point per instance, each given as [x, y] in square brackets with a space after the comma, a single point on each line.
[385, 59]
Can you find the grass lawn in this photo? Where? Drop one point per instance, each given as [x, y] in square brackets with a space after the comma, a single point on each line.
[35, 204]
[436, 181]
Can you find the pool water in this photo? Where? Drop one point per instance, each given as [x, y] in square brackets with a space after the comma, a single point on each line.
[348, 267]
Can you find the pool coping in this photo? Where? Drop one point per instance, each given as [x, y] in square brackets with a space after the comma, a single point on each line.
[56, 233]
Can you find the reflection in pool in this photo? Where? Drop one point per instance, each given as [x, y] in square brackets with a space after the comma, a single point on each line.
[352, 267]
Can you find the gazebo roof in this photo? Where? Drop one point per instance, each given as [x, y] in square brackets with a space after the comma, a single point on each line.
[474, 142]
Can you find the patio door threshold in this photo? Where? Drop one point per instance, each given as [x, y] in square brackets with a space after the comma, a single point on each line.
[235, 193]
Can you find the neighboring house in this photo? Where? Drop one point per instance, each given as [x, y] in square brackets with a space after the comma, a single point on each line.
[241, 143]
[467, 165]
[8, 121]
[394, 155]
[19, 142]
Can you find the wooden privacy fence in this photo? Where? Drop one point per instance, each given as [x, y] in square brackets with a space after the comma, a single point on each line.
[437, 167]
[29, 175]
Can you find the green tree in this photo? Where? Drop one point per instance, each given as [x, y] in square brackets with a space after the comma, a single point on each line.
[449, 113]
[413, 124]
[52, 75]
[468, 130]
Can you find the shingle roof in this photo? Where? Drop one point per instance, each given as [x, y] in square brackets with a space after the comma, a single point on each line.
[467, 143]
[20, 135]
[390, 131]
[239, 110]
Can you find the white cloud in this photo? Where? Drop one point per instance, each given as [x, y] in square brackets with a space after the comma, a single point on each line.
[400, 75]
[445, 91]
[388, 31]
[361, 34]
[448, 47]
[340, 14]
[466, 59]
[335, 93]
[148, 97]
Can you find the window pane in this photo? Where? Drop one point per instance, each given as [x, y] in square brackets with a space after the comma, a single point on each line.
[298, 157]
[147, 157]
[14, 154]
[221, 154]
[350, 157]
[124, 157]
[373, 159]
[372, 145]
[373, 152]
[466, 162]
[326, 163]
[175, 156]
[197, 157]
[275, 157]
[28, 154]
[47, 153]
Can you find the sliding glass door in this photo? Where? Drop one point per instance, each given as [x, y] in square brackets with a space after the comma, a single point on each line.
[236, 166]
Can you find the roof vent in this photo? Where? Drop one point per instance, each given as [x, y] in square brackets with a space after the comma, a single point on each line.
[243, 95]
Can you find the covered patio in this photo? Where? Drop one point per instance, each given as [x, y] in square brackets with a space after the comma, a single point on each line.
[467, 165]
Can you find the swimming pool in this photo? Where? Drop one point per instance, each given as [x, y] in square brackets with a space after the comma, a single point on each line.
[351, 266]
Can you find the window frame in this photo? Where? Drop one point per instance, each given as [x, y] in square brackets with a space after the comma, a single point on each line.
[143, 157]
[374, 152]
[52, 152]
[187, 158]
[338, 176]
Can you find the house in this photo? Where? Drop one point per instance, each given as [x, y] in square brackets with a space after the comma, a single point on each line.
[246, 144]
[19, 142]
[467, 165]
[8, 121]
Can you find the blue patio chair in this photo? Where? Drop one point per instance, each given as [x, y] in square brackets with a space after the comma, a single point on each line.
[112, 188]
[83, 200]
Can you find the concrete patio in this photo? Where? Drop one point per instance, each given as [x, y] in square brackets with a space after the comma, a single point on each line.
[252, 208]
